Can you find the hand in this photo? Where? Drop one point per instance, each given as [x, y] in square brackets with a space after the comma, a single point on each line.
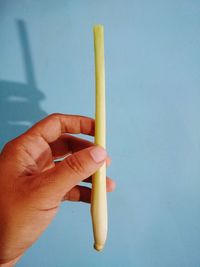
[33, 185]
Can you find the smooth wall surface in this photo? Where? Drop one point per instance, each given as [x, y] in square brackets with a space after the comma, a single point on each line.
[153, 127]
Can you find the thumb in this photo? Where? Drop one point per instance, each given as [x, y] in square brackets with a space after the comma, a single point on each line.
[71, 171]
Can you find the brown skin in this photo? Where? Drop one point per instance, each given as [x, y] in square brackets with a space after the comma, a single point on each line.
[32, 185]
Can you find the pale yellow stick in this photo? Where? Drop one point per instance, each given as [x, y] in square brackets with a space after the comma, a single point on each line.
[99, 200]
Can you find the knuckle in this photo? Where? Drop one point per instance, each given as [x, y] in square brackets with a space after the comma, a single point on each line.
[54, 115]
[9, 146]
[75, 164]
[73, 195]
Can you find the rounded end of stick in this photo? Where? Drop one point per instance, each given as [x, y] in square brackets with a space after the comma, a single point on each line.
[98, 247]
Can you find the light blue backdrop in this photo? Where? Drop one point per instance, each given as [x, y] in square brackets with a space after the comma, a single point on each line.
[153, 128]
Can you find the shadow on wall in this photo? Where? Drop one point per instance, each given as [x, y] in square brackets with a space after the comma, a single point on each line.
[20, 102]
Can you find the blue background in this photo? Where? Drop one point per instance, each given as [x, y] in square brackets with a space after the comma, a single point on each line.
[153, 128]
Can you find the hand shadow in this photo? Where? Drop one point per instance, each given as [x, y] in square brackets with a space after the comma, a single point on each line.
[20, 102]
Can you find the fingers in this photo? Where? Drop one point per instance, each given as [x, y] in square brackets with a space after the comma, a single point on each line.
[82, 193]
[69, 144]
[51, 128]
[78, 193]
[71, 171]
[76, 144]
[108, 160]
[110, 184]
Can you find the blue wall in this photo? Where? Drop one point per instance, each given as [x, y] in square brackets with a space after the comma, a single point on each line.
[153, 127]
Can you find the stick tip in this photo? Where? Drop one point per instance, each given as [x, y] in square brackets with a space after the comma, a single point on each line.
[98, 27]
[98, 247]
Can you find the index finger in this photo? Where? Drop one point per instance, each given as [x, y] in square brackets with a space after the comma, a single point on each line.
[53, 126]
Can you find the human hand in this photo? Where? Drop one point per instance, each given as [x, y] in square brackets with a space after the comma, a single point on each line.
[32, 185]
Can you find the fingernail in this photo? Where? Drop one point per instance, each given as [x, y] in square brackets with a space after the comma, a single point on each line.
[98, 154]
